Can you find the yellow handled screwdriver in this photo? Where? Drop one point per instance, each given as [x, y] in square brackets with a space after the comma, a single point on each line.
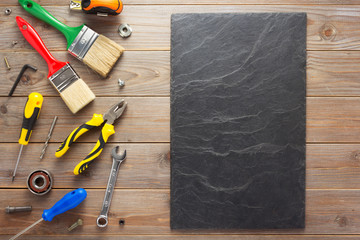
[31, 114]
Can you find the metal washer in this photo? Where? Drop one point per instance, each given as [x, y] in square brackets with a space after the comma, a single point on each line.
[125, 30]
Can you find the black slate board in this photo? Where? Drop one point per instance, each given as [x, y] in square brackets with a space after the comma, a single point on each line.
[238, 87]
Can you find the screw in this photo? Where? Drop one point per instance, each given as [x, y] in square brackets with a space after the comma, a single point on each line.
[14, 43]
[9, 209]
[122, 221]
[7, 63]
[79, 222]
[7, 11]
[121, 82]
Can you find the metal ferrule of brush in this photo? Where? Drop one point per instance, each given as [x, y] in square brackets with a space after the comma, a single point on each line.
[83, 42]
[64, 77]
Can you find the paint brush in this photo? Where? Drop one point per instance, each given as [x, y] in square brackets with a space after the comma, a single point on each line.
[95, 50]
[73, 90]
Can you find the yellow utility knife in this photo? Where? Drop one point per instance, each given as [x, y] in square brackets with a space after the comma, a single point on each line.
[108, 129]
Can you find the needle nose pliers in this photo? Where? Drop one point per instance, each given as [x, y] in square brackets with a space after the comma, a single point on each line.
[108, 129]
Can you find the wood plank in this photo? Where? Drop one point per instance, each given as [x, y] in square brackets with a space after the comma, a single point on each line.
[145, 119]
[332, 166]
[189, 2]
[333, 73]
[195, 237]
[329, 73]
[332, 27]
[147, 212]
[144, 73]
[333, 119]
[146, 166]
[328, 166]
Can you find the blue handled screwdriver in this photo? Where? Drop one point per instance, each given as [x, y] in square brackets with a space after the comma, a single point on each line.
[69, 201]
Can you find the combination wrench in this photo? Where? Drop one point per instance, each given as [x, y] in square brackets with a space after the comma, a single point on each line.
[102, 220]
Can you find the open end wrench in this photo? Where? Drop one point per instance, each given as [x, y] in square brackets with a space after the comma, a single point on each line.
[102, 220]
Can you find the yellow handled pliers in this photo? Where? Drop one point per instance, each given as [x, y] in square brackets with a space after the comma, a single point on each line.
[108, 129]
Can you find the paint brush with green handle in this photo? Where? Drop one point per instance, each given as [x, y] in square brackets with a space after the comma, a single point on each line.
[95, 50]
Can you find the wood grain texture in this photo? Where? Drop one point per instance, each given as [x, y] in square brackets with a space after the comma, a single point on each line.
[189, 2]
[329, 27]
[142, 195]
[328, 166]
[146, 166]
[329, 73]
[144, 120]
[147, 212]
[332, 166]
[332, 119]
[187, 237]
[333, 73]
[147, 119]
[144, 73]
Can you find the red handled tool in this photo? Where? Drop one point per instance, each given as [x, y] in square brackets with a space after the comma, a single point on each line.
[36, 42]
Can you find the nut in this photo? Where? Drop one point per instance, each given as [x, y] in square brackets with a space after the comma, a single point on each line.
[7, 11]
[125, 30]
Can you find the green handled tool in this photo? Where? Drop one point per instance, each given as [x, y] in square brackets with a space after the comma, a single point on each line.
[36, 10]
[95, 50]
[108, 129]
[69, 201]
[31, 114]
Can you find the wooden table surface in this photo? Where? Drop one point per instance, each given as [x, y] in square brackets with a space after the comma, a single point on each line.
[142, 190]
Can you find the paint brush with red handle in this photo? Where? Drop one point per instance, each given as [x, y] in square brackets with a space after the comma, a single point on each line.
[73, 90]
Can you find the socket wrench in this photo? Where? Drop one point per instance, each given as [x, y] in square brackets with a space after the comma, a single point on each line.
[102, 220]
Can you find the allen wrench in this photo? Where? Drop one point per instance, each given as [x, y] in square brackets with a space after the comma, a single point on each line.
[26, 66]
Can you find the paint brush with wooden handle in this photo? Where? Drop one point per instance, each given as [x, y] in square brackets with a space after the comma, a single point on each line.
[95, 50]
[73, 90]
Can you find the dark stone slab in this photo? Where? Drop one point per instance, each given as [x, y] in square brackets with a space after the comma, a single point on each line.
[238, 87]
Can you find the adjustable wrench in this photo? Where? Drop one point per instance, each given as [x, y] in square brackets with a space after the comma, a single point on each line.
[102, 220]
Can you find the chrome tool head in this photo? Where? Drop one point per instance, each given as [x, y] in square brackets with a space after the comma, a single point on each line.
[83, 42]
[115, 112]
[118, 157]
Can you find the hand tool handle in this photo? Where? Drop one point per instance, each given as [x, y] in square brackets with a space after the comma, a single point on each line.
[106, 132]
[31, 114]
[34, 39]
[112, 7]
[69, 201]
[96, 120]
[36, 10]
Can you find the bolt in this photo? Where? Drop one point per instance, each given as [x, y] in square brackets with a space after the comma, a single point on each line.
[122, 221]
[9, 209]
[121, 82]
[79, 222]
[14, 43]
[7, 63]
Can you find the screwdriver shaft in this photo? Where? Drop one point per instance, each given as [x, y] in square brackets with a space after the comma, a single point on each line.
[26, 229]
[17, 162]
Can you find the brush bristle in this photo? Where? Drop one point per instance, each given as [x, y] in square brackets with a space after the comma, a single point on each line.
[103, 55]
[77, 95]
